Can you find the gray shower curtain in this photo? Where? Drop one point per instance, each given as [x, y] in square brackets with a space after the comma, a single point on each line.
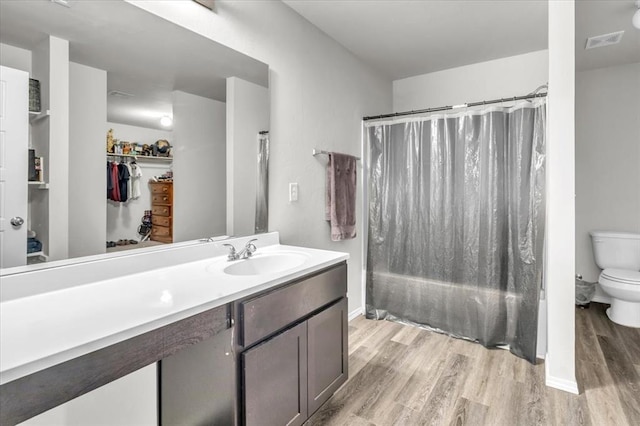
[262, 184]
[456, 224]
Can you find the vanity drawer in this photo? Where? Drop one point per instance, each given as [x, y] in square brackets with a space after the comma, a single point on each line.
[161, 199]
[161, 188]
[268, 313]
[160, 231]
[161, 220]
[160, 211]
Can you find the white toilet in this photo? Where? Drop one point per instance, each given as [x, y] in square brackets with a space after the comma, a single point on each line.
[618, 254]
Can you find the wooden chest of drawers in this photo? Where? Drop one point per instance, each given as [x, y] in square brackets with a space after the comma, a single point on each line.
[162, 211]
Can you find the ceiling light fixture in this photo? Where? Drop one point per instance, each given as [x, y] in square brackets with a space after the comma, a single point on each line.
[119, 94]
[166, 121]
[64, 3]
[209, 4]
[636, 16]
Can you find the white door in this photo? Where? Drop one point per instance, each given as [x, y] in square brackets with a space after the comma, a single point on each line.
[14, 145]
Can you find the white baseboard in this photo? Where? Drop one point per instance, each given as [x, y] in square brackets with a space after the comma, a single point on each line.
[570, 386]
[355, 313]
[601, 299]
[541, 345]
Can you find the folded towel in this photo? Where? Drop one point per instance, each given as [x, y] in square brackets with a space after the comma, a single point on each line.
[33, 245]
[340, 208]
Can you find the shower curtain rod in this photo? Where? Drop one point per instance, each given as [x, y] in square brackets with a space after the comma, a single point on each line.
[450, 107]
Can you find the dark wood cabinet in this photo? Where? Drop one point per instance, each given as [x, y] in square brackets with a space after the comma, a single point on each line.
[275, 380]
[327, 350]
[288, 375]
[198, 384]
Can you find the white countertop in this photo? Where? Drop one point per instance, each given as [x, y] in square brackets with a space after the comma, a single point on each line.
[40, 331]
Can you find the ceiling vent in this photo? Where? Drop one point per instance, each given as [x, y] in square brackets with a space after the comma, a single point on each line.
[604, 40]
[119, 94]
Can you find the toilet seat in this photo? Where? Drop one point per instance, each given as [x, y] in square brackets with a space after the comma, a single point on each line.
[622, 276]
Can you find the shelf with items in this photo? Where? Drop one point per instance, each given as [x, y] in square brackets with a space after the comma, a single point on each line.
[38, 184]
[36, 170]
[140, 157]
[35, 116]
[36, 257]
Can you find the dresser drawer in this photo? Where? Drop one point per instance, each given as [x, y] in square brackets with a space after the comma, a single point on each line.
[160, 231]
[160, 211]
[161, 188]
[161, 199]
[166, 240]
[161, 220]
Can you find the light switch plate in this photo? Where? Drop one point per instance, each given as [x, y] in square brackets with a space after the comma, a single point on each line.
[293, 192]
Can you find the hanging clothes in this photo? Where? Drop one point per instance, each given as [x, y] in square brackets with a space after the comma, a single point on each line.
[129, 181]
[136, 174]
[115, 190]
[123, 180]
[109, 180]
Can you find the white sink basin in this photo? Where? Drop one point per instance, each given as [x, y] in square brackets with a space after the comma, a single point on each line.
[267, 263]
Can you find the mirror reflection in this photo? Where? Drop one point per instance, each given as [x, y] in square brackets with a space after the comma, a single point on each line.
[140, 133]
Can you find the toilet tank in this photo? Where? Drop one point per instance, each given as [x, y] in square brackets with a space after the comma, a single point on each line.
[620, 250]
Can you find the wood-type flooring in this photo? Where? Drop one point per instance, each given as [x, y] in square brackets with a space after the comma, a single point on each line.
[402, 375]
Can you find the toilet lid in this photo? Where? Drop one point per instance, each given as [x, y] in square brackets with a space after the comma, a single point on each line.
[622, 275]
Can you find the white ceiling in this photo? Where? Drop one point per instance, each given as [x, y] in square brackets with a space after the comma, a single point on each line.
[403, 38]
[143, 54]
[149, 57]
[595, 18]
[406, 38]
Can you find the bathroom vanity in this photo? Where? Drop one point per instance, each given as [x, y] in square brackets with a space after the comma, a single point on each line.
[289, 357]
[244, 342]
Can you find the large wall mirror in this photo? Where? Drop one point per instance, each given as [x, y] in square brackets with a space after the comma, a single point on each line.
[109, 65]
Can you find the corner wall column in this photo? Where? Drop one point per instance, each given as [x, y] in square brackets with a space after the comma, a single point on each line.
[560, 187]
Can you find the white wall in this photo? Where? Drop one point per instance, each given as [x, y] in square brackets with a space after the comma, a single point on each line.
[87, 178]
[607, 157]
[560, 167]
[506, 77]
[15, 57]
[123, 219]
[319, 93]
[130, 400]
[247, 114]
[199, 188]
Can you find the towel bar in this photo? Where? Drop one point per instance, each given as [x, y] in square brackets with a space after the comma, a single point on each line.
[323, 152]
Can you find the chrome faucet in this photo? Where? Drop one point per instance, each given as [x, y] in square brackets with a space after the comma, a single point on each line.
[245, 253]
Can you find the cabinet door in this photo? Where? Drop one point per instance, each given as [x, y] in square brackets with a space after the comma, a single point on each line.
[275, 380]
[327, 353]
[197, 384]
